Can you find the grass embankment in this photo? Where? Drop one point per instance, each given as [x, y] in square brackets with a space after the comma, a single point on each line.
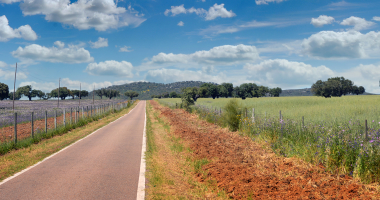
[333, 133]
[171, 168]
[18, 159]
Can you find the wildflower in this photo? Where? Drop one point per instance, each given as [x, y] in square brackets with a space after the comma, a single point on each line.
[371, 141]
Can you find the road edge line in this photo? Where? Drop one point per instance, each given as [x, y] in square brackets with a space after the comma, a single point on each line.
[31, 167]
[141, 185]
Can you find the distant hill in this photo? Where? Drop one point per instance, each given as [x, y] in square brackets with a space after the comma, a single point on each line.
[147, 89]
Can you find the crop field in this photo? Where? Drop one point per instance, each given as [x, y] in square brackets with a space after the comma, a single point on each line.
[333, 133]
[24, 111]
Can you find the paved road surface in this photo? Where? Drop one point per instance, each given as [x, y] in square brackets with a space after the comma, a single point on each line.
[105, 165]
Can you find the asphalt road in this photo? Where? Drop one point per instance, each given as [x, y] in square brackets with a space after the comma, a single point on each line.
[105, 165]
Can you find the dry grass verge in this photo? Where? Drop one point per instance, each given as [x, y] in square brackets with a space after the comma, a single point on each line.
[172, 171]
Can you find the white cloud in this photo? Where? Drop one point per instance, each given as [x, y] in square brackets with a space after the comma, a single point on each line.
[286, 74]
[84, 14]
[3, 64]
[261, 2]
[357, 22]
[180, 23]
[125, 49]
[110, 68]
[102, 42]
[45, 86]
[59, 44]
[351, 44]
[213, 12]
[220, 55]
[7, 32]
[10, 74]
[366, 76]
[376, 18]
[173, 75]
[322, 20]
[71, 54]
[9, 1]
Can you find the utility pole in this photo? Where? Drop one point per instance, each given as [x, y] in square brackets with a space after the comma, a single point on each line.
[59, 88]
[14, 90]
[93, 95]
[80, 89]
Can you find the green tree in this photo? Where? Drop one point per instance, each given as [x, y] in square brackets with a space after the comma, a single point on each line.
[40, 94]
[229, 87]
[214, 91]
[223, 92]
[101, 92]
[4, 91]
[361, 90]
[173, 95]
[245, 90]
[131, 94]
[203, 92]
[111, 93]
[17, 96]
[275, 92]
[74, 93]
[187, 97]
[63, 93]
[27, 91]
[316, 88]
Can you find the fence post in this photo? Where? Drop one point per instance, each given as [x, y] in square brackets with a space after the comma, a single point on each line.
[71, 115]
[253, 115]
[64, 117]
[303, 121]
[280, 115]
[55, 120]
[91, 111]
[15, 138]
[88, 113]
[45, 121]
[82, 112]
[366, 131]
[32, 125]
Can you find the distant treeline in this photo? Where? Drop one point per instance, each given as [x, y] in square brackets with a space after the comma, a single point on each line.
[336, 87]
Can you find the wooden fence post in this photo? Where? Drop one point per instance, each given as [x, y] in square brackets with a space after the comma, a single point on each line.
[55, 120]
[280, 115]
[32, 124]
[45, 121]
[64, 117]
[366, 131]
[82, 112]
[71, 115]
[303, 121]
[15, 136]
[253, 115]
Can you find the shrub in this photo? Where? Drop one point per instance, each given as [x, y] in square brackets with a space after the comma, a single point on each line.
[231, 115]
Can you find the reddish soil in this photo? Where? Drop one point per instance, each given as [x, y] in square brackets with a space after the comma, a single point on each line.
[245, 169]
[24, 130]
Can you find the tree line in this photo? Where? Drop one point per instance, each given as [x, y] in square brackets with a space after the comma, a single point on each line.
[336, 87]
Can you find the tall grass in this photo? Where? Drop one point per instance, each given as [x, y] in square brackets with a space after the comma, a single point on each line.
[332, 135]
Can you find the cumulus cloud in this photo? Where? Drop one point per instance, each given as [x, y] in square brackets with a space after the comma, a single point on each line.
[376, 18]
[71, 54]
[288, 74]
[110, 68]
[59, 44]
[3, 64]
[351, 44]
[84, 14]
[9, 1]
[180, 23]
[10, 74]
[357, 23]
[220, 55]
[173, 75]
[7, 32]
[261, 2]
[125, 49]
[366, 76]
[322, 20]
[213, 12]
[102, 42]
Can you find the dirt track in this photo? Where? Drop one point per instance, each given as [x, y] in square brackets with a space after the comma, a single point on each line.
[245, 169]
[105, 165]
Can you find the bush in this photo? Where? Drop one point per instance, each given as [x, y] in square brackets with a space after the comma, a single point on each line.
[231, 115]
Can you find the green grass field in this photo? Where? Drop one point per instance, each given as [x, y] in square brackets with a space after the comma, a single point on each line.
[339, 110]
[333, 133]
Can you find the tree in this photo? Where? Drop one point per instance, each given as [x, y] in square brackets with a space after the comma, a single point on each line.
[40, 94]
[275, 92]
[17, 96]
[187, 98]
[203, 92]
[4, 91]
[27, 91]
[109, 93]
[214, 91]
[245, 90]
[173, 95]
[101, 92]
[336, 87]
[223, 92]
[74, 93]
[229, 87]
[63, 93]
[361, 90]
[131, 94]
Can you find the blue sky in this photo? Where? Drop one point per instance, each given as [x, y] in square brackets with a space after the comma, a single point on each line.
[276, 43]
